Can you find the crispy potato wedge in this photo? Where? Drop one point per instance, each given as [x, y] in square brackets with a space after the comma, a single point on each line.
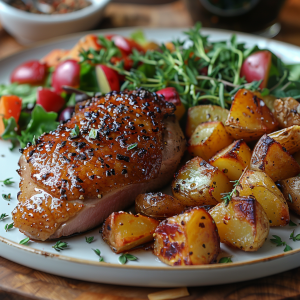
[204, 113]
[249, 117]
[207, 139]
[233, 160]
[287, 112]
[268, 99]
[297, 157]
[289, 138]
[198, 183]
[263, 188]
[158, 205]
[242, 224]
[291, 191]
[190, 238]
[270, 157]
[123, 231]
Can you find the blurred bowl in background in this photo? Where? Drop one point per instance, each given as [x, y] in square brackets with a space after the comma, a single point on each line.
[29, 27]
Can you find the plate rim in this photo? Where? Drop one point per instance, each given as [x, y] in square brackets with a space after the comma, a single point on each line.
[166, 267]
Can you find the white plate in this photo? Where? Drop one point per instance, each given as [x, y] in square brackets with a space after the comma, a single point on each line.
[80, 262]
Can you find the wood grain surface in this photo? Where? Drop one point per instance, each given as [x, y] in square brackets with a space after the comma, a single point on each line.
[21, 283]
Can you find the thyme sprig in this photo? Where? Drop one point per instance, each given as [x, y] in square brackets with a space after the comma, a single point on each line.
[98, 252]
[59, 245]
[278, 242]
[8, 226]
[89, 239]
[227, 196]
[125, 257]
[6, 196]
[7, 181]
[293, 237]
[3, 216]
[225, 260]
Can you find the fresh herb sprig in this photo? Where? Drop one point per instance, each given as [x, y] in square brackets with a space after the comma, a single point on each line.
[125, 257]
[7, 181]
[89, 239]
[60, 246]
[278, 242]
[98, 252]
[295, 237]
[6, 196]
[225, 260]
[8, 226]
[3, 216]
[24, 241]
[227, 196]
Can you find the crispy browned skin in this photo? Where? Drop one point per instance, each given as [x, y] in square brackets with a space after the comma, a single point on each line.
[127, 150]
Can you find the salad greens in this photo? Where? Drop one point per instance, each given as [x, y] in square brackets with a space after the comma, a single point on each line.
[200, 70]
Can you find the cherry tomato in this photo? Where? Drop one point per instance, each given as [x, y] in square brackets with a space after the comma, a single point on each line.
[171, 95]
[124, 44]
[66, 114]
[108, 79]
[49, 100]
[257, 66]
[66, 73]
[31, 72]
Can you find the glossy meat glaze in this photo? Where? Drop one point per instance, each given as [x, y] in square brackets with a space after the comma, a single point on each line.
[119, 143]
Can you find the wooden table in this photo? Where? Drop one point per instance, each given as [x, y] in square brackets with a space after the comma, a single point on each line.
[22, 283]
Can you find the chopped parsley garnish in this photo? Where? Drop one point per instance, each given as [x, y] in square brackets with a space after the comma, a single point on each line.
[89, 239]
[24, 241]
[6, 197]
[60, 246]
[93, 133]
[278, 242]
[125, 257]
[98, 252]
[3, 216]
[7, 181]
[225, 260]
[8, 226]
[132, 146]
[74, 132]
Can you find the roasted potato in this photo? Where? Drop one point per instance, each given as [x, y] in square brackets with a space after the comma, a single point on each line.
[270, 157]
[207, 139]
[249, 117]
[204, 113]
[198, 183]
[123, 231]
[158, 205]
[263, 188]
[289, 138]
[287, 112]
[190, 238]
[242, 223]
[268, 99]
[291, 191]
[297, 157]
[233, 160]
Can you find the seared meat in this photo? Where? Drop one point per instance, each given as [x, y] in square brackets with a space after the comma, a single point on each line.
[114, 148]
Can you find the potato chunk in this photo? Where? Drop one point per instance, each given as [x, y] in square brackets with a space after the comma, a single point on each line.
[198, 183]
[287, 112]
[233, 160]
[249, 117]
[204, 113]
[207, 139]
[263, 188]
[242, 224]
[158, 205]
[269, 156]
[291, 191]
[190, 238]
[123, 231]
[289, 138]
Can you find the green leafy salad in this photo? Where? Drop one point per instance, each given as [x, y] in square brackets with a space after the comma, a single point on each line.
[201, 71]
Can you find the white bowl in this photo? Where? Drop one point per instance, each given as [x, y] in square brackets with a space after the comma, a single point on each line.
[29, 27]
